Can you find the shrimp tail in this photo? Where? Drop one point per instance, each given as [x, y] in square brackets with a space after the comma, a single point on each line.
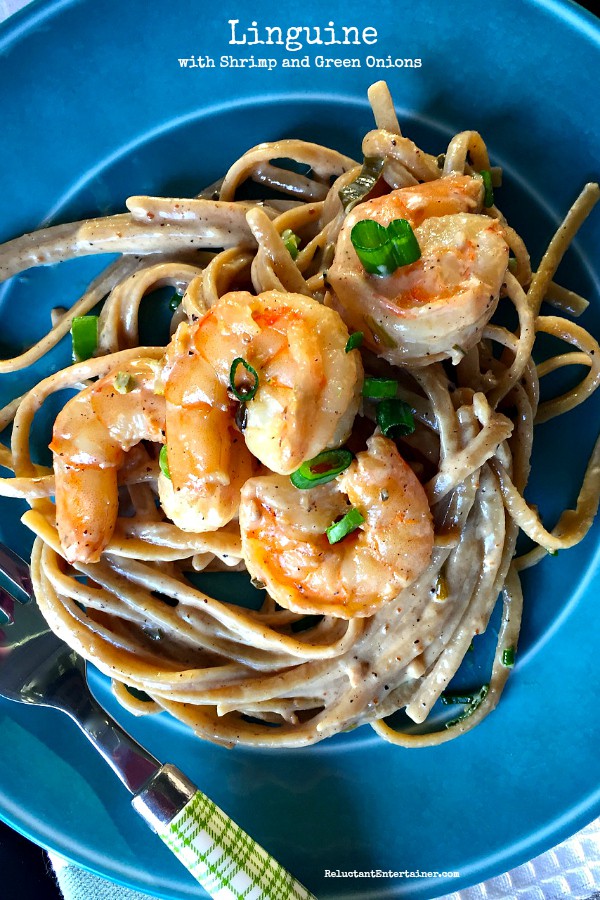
[86, 510]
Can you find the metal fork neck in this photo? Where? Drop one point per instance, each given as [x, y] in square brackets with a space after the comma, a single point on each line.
[134, 765]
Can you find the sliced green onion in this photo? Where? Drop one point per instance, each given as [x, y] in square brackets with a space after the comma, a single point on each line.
[441, 589]
[163, 461]
[488, 195]
[363, 184]
[355, 340]
[124, 382]
[473, 702]
[345, 526]
[383, 250]
[291, 241]
[244, 391]
[323, 468]
[397, 415]
[379, 388]
[406, 246]
[451, 698]
[552, 552]
[373, 247]
[175, 301]
[84, 333]
[508, 657]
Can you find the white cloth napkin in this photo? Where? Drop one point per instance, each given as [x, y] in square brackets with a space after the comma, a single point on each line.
[570, 870]
[77, 884]
[8, 7]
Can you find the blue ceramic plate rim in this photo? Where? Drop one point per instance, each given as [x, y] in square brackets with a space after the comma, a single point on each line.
[572, 818]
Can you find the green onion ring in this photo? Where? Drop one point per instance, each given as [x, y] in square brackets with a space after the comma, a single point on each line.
[373, 247]
[508, 657]
[406, 246]
[355, 340]
[335, 461]
[291, 242]
[395, 415]
[163, 462]
[247, 393]
[382, 250]
[488, 196]
[84, 334]
[345, 526]
[379, 388]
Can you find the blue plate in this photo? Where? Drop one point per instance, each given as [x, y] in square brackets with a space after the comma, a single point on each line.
[98, 107]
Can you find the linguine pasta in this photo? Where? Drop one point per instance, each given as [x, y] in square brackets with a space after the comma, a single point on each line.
[271, 676]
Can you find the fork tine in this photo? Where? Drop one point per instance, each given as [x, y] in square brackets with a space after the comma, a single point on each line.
[7, 606]
[16, 570]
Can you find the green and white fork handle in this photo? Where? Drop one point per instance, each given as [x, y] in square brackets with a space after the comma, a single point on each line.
[225, 860]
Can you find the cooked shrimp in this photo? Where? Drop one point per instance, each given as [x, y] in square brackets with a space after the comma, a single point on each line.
[285, 545]
[307, 386]
[208, 461]
[438, 306]
[308, 394]
[91, 436]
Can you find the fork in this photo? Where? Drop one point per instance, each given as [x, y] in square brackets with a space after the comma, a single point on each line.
[37, 667]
